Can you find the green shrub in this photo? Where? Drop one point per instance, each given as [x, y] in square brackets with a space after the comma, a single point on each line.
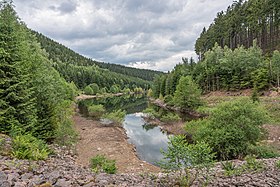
[170, 117]
[96, 111]
[116, 116]
[181, 155]
[29, 147]
[88, 90]
[263, 151]
[252, 164]
[100, 163]
[231, 128]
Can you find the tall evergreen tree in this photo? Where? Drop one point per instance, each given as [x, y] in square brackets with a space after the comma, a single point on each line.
[17, 105]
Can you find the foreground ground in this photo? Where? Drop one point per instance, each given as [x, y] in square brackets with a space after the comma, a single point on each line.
[67, 168]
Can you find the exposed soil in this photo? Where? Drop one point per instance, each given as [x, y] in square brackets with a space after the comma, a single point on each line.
[111, 141]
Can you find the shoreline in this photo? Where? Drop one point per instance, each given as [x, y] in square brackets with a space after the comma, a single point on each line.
[110, 141]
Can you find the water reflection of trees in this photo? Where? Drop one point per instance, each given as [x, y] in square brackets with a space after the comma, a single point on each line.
[129, 103]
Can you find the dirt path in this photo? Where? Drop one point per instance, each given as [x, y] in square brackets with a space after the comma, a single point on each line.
[110, 141]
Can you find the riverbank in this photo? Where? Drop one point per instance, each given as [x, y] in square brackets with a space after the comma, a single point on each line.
[84, 96]
[111, 141]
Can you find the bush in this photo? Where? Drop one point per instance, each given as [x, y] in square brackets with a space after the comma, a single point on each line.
[96, 111]
[263, 151]
[29, 147]
[88, 90]
[181, 155]
[116, 116]
[231, 128]
[100, 163]
[170, 117]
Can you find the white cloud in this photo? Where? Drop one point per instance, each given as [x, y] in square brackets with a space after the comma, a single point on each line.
[152, 34]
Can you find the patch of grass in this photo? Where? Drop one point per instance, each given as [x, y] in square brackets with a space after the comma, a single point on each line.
[251, 165]
[263, 151]
[100, 163]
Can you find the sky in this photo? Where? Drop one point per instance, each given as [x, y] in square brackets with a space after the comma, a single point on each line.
[150, 34]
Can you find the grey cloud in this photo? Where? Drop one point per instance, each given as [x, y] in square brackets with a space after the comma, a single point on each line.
[123, 31]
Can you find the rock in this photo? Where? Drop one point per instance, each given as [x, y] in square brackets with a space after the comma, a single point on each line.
[98, 149]
[26, 176]
[62, 183]
[3, 176]
[5, 183]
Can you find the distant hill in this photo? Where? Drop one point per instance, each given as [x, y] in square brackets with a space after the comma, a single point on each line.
[64, 56]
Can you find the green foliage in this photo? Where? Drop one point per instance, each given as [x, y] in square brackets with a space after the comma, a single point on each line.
[251, 165]
[263, 151]
[187, 94]
[96, 111]
[168, 99]
[255, 95]
[17, 104]
[180, 154]
[31, 90]
[230, 28]
[170, 117]
[117, 116]
[29, 147]
[88, 90]
[276, 67]
[231, 128]
[95, 88]
[65, 133]
[100, 163]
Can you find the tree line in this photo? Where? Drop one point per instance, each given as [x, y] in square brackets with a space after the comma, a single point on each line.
[224, 69]
[242, 23]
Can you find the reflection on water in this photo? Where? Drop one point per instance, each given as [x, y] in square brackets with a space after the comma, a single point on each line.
[148, 140]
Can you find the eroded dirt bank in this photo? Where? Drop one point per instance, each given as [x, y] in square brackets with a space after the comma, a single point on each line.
[95, 138]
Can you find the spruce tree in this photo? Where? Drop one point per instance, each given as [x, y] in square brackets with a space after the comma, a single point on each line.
[17, 109]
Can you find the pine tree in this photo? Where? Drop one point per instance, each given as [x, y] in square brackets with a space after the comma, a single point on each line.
[187, 94]
[17, 106]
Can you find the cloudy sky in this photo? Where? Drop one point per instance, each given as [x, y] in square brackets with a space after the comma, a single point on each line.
[152, 34]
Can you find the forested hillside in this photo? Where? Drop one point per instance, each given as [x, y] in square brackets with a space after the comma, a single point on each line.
[35, 101]
[224, 69]
[84, 71]
[241, 23]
